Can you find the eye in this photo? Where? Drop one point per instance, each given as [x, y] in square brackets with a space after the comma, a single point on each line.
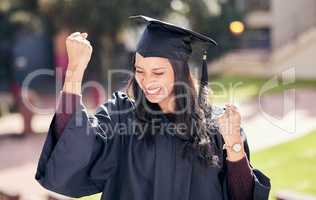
[139, 72]
[158, 73]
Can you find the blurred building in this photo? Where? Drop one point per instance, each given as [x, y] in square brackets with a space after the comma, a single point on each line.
[278, 35]
[278, 22]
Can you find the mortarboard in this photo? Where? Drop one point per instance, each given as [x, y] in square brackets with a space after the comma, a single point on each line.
[163, 39]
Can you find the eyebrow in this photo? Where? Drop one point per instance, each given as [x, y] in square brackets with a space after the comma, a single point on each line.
[154, 69]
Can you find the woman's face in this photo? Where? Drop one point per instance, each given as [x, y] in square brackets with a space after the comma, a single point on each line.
[155, 76]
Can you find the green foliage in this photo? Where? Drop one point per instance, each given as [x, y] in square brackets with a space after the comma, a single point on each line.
[104, 17]
[103, 20]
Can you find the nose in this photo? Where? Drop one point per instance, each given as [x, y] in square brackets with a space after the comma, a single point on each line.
[149, 85]
[149, 82]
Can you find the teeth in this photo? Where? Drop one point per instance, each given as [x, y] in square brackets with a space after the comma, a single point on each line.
[153, 91]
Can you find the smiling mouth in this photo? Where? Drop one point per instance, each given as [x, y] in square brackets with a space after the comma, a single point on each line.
[154, 91]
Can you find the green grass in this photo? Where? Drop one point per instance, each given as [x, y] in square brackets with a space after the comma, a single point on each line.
[92, 197]
[240, 88]
[291, 166]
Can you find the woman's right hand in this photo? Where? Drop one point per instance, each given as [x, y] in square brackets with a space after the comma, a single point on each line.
[79, 51]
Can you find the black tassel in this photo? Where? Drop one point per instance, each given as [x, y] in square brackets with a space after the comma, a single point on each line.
[206, 144]
[203, 89]
[204, 75]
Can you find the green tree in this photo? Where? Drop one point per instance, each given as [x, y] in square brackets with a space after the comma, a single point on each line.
[103, 20]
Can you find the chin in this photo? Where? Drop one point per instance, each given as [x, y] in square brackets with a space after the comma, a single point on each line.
[155, 99]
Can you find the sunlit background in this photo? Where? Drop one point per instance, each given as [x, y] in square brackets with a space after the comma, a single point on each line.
[265, 64]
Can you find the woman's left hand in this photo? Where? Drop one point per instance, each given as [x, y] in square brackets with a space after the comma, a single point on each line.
[229, 127]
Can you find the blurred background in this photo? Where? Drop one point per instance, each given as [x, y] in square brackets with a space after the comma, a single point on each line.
[265, 63]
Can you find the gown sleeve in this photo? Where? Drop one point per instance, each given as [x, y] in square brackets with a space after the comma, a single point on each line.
[261, 183]
[66, 106]
[240, 179]
[85, 156]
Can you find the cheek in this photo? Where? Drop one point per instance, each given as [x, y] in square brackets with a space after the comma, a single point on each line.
[168, 84]
[139, 81]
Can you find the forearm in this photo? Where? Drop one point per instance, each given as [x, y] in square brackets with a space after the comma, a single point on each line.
[240, 179]
[68, 99]
[66, 106]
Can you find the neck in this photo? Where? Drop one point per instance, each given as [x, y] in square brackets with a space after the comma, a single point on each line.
[167, 105]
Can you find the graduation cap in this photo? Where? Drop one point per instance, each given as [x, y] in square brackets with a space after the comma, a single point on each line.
[163, 39]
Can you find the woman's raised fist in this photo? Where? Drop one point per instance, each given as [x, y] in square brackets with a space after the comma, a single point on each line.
[79, 51]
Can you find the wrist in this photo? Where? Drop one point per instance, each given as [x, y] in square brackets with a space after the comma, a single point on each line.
[234, 156]
[235, 152]
[73, 81]
[74, 73]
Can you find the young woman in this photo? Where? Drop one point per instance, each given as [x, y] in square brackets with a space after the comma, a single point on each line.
[156, 140]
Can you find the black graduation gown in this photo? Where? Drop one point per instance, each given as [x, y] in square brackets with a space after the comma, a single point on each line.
[90, 157]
